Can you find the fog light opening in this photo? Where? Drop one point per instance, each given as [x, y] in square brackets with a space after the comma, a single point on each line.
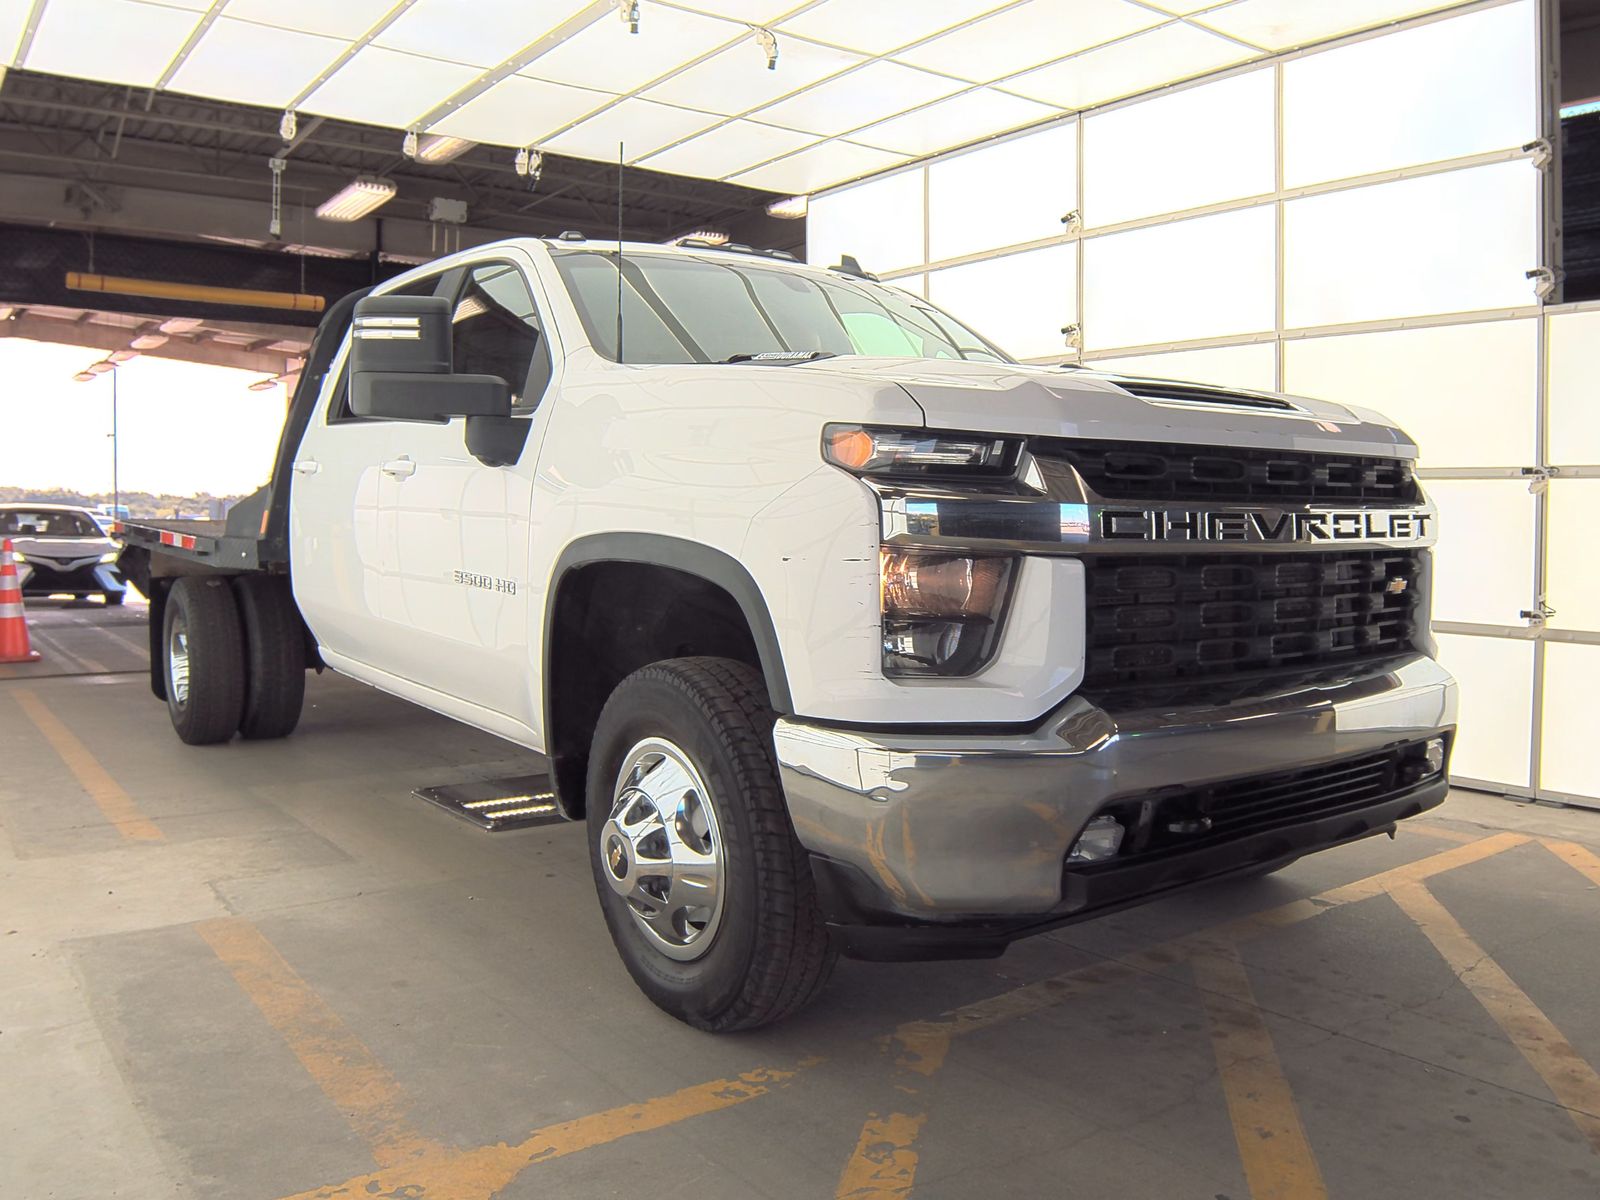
[1433, 756]
[1101, 839]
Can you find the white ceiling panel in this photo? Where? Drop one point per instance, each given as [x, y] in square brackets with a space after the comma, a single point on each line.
[818, 167]
[643, 127]
[518, 111]
[979, 113]
[258, 64]
[1280, 24]
[349, 19]
[1160, 56]
[1026, 36]
[480, 33]
[736, 80]
[755, 12]
[851, 100]
[385, 87]
[728, 149]
[13, 18]
[879, 26]
[1181, 8]
[118, 41]
[606, 55]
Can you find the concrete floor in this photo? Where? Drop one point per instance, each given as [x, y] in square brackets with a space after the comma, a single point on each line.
[261, 970]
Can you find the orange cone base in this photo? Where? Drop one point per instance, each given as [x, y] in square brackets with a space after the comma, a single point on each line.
[30, 656]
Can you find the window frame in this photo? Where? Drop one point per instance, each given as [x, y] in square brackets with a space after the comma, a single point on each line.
[464, 272]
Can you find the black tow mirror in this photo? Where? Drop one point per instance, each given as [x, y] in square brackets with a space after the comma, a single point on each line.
[400, 365]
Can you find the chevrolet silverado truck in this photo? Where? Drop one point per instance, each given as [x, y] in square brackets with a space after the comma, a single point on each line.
[843, 632]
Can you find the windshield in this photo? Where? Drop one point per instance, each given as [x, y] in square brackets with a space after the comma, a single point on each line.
[682, 309]
[47, 523]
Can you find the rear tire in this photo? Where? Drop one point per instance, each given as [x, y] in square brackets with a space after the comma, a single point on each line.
[203, 654]
[274, 657]
[762, 953]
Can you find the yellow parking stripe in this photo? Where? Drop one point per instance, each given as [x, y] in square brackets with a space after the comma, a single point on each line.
[1580, 858]
[884, 1165]
[1277, 1159]
[479, 1174]
[117, 806]
[1569, 1077]
[358, 1084]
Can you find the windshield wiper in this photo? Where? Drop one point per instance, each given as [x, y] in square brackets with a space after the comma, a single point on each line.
[780, 357]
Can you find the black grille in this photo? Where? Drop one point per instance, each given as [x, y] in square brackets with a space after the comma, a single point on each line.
[1169, 619]
[1161, 471]
[1190, 817]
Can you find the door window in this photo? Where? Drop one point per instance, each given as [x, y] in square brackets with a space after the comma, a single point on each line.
[497, 332]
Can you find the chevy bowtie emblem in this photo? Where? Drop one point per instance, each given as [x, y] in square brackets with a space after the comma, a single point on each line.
[1395, 586]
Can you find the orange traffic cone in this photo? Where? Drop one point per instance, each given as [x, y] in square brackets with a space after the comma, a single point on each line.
[14, 645]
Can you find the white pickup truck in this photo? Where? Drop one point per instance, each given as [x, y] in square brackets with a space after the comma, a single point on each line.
[843, 631]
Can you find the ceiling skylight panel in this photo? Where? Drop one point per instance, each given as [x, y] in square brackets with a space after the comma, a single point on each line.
[1280, 24]
[1024, 37]
[608, 57]
[641, 126]
[877, 90]
[954, 122]
[519, 111]
[728, 149]
[819, 167]
[880, 28]
[1138, 64]
[737, 79]
[348, 19]
[385, 87]
[117, 41]
[482, 33]
[254, 64]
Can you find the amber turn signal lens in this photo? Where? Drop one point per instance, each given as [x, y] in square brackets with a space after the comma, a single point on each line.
[850, 447]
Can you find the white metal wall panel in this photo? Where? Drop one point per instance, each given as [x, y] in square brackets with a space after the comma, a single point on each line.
[1573, 387]
[1570, 762]
[1494, 739]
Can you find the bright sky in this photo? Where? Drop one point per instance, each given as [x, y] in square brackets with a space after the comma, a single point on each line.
[181, 427]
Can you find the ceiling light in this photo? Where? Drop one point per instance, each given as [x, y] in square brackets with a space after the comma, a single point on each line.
[101, 367]
[263, 385]
[288, 125]
[83, 376]
[408, 144]
[148, 341]
[122, 356]
[356, 199]
[436, 148]
[317, 251]
[791, 209]
[768, 41]
[180, 324]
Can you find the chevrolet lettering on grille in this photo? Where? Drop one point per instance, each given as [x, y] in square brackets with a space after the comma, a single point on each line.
[1262, 525]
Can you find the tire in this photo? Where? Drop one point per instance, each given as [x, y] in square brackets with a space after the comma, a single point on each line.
[763, 952]
[274, 657]
[114, 598]
[206, 703]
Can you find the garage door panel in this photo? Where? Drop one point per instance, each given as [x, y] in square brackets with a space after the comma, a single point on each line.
[1574, 387]
[1483, 564]
[1573, 565]
[1570, 758]
[1494, 735]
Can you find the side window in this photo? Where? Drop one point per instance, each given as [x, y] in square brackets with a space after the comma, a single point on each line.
[339, 402]
[497, 332]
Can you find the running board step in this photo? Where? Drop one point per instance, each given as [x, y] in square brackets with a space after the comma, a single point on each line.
[498, 804]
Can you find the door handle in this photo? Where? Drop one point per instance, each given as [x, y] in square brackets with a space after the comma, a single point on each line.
[307, 466]
[399, 467]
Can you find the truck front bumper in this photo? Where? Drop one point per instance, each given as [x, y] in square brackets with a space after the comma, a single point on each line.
[946, 844]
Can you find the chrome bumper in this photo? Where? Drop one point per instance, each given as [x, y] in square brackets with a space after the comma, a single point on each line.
[957, 825]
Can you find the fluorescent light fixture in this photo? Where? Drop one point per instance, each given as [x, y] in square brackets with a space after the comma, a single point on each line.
[437, 148]
[148, 341]
[122, 356]
[263, 385]
[356, 199]
[181, 324]
[791, 209]
[101, 367]
[83, 376]
[317, 251]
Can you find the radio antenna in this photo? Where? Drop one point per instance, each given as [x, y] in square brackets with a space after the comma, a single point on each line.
[620, 359]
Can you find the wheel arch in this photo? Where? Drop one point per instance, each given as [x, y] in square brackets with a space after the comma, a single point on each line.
[565, 725]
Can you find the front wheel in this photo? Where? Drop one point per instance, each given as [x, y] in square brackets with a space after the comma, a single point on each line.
[706, 891]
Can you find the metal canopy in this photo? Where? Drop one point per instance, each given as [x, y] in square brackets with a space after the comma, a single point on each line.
[858, 85]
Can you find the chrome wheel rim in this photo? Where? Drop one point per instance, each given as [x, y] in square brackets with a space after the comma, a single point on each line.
[178, 661]
[661, 849]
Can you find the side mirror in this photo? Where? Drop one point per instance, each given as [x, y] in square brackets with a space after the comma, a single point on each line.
[400, 365]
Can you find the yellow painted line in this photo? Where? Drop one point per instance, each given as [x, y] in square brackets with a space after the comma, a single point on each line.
[1580, 858]
[347, 1072]
[1573, 1081]
[1277, 1158]
[479, 1174]
[117, 806]
[884, 1165]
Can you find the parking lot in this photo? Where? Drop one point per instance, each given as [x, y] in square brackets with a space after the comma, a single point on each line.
[266, 970]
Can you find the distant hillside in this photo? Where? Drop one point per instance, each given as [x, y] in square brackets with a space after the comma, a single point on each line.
[139, 504]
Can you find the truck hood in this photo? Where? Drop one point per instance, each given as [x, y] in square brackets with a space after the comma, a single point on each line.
[1066, 402]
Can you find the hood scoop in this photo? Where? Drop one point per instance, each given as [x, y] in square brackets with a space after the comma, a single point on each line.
[1163, 391]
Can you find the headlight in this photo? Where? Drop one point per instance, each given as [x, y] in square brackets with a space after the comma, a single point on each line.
[110, 556]
[915, 453]
[941, 612]
[18, 556]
